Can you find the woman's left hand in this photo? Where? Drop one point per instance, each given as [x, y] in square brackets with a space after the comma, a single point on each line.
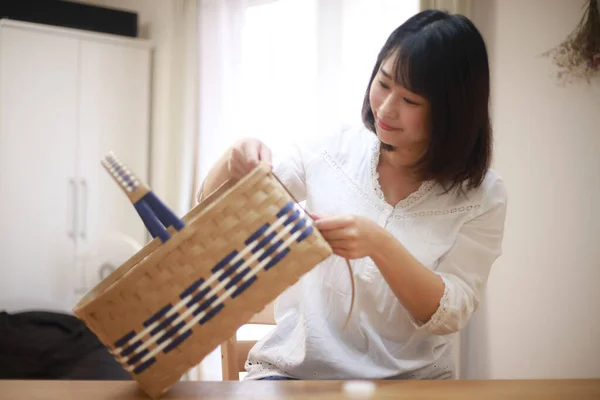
[350, 236]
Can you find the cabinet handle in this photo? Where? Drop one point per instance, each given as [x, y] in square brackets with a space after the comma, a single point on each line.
[84, 190]
[73, 222]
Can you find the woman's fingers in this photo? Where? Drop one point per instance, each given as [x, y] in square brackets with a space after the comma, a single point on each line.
[339, 244]
[339, 234]
[246, 155]
[238, 173]
[331, 223]
[315, 216]
[264, 154]
[250, 155]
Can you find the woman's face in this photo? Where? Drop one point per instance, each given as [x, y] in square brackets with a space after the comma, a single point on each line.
[402, 118]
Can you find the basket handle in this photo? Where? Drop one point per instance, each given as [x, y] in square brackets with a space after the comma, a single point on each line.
[157, 217]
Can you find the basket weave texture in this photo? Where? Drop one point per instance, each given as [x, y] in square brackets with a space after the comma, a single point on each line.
[173, 303]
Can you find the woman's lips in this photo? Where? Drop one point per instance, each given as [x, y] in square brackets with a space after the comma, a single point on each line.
[385, 126]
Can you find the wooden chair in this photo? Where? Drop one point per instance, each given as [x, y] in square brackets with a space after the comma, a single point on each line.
[234, 353]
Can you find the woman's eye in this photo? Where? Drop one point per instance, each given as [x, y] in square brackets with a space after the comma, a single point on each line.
[383, 85]
[410, 101]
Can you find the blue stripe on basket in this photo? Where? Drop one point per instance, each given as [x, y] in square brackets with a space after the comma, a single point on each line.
[133, 360]
[243, 287]
[205, 305]
[237, 278]
[277, 258]
[305, 234]
[123, 341]
[270, 250]
[198, 297]
[224, 261]
[178, 341]
[192, 288]
[285, 209]
[157, 316]
[143, 366]
[291, 218]
[265, 241]
[231, 270]
[299, 225]
[171, 332]
[257, 234]
[131, 349]
[163, 325]
[211, 314]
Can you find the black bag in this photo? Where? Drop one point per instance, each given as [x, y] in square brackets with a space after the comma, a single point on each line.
[49, 345]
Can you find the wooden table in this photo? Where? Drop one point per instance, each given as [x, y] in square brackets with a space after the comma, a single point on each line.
[331, 390]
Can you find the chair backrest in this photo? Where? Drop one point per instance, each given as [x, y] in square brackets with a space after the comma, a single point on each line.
[234, 353]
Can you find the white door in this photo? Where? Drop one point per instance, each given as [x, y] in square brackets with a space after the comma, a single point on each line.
[38, 146]
[113, 115]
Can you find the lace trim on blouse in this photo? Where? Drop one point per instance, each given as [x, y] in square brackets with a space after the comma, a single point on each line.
[411, 199]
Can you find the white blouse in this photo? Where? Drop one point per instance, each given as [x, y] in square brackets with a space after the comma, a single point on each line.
[458, 237]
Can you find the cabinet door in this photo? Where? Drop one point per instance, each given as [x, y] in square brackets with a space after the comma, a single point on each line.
[113, 115]
[38, 145]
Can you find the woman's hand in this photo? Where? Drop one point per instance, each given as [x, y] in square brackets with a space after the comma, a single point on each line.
[245, 155]
[350, 236]
[235, 163]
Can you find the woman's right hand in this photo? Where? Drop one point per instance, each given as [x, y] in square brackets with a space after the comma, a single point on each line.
[245, 155]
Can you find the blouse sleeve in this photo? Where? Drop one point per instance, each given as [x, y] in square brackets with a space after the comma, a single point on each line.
[465, 268]
[289, 166]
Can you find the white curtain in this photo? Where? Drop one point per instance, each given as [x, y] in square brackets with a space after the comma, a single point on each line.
[280, 70]
[220, 36]
[284, 70]
[183, 100]
[176, 106]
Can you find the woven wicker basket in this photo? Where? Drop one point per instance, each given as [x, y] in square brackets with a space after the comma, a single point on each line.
[173, 303]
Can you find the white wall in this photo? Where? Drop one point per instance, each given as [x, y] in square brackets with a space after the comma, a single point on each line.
[155, 21]
[541, 318]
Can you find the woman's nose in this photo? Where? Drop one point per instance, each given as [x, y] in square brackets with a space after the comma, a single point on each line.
[389, 108]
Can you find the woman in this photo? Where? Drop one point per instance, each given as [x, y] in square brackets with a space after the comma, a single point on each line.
[409, 198]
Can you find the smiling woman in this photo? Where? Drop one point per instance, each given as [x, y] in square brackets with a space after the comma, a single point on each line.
[408, 197]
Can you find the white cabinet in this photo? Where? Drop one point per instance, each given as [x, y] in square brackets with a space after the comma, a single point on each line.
[114, 79]
[66, 98]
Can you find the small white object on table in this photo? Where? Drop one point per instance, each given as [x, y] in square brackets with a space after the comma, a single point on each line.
[358, 389]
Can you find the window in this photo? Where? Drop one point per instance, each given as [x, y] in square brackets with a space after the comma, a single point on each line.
[278, 69]
[305, 64]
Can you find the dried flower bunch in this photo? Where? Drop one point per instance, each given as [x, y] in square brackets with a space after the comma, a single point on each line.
[578, 57]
